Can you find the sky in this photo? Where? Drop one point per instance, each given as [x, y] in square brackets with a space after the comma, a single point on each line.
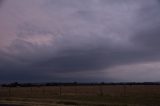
[79, 40]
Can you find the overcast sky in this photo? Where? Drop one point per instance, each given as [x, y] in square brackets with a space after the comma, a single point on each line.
[79, 40]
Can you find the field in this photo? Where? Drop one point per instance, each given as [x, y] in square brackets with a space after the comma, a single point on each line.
[82, 95]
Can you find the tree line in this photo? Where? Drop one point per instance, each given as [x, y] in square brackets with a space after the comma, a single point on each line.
[17, 84]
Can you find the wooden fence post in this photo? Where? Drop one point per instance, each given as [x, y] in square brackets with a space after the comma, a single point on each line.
[124, 90]
[76, 90]
[43, 91]
[101, 90]
[30, 91]
[60, 90]
[9, 91]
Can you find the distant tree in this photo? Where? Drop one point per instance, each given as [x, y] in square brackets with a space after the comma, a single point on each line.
[15, 84]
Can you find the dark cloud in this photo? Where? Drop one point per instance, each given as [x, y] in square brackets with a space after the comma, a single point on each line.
[147, 32]
[93, 37]
[149, 40]
[1, 2]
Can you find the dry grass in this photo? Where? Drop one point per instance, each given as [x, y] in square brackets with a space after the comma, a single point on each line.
[100, 95]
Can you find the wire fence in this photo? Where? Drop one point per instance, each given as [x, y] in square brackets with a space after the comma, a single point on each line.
[92, 90]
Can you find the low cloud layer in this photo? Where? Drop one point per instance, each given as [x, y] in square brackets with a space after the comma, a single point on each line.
[79, 40]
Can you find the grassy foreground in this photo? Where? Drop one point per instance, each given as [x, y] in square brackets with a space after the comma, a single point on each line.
[136, 95]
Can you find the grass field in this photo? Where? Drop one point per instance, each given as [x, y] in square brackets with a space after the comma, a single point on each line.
[93, 95]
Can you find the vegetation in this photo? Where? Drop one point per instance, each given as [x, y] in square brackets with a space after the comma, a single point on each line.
[82, 94]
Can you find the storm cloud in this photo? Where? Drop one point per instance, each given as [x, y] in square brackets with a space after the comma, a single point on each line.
[79, 40]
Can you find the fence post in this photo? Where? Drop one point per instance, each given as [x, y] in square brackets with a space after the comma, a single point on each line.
[75, 87]
[101, 89]
[43, 90]
[124, 90]
[60, 90]
[76, 90]
[9, 91]
[30, 91]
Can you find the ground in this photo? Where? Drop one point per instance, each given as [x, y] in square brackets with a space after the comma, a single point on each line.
[94, 95]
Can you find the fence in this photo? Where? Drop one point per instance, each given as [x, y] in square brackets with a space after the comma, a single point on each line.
[92, 90]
